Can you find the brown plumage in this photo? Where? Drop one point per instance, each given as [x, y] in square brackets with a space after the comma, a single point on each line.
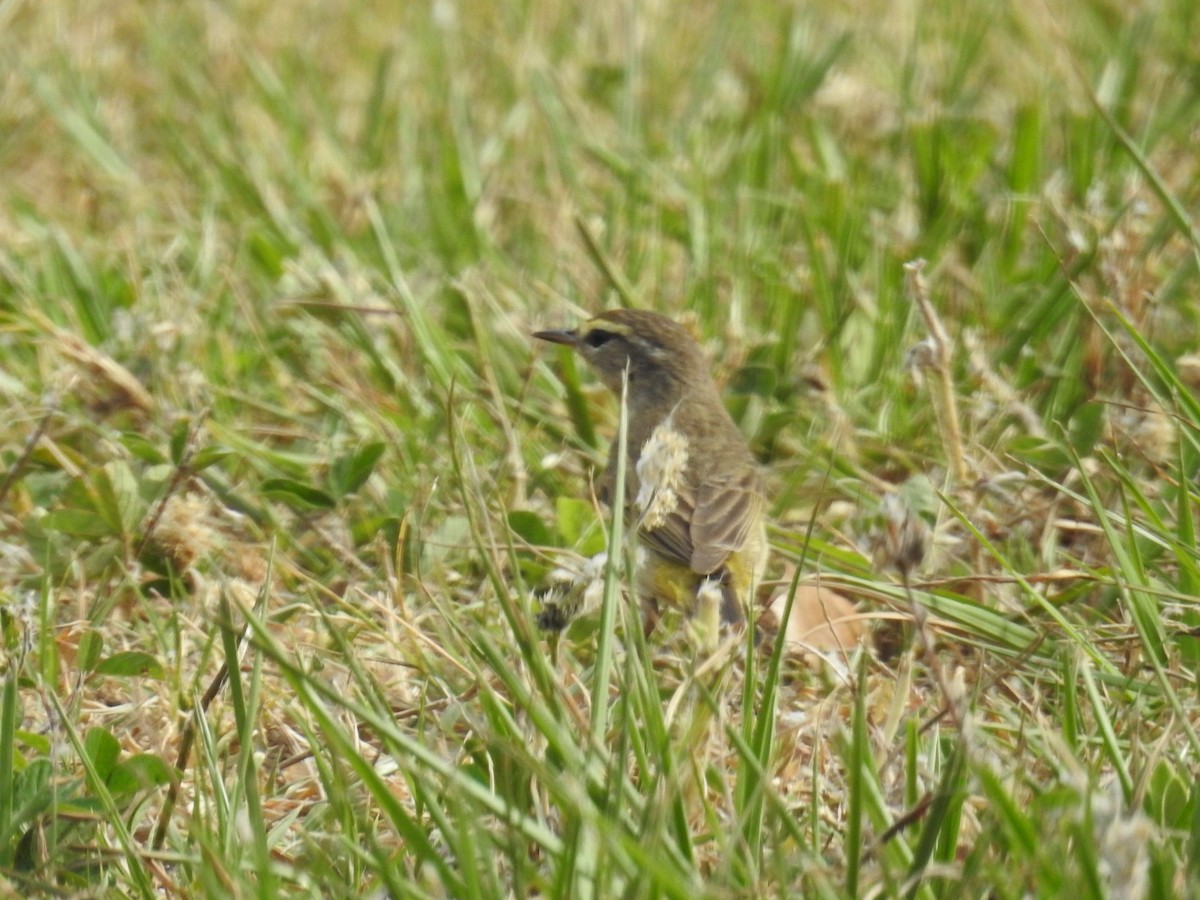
[692, 487]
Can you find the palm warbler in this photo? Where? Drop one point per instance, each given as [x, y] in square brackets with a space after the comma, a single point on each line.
[692, 486]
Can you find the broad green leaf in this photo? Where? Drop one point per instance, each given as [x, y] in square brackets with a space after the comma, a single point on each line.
[179, 439]
[118, 498]
[351, 471]
[130, 663]
[91, 645]
[530, 528]
[578, 525]
[102, 749]
[296, 494]
[142, 448]
[77, 523]
[208, 456]
[145, 770]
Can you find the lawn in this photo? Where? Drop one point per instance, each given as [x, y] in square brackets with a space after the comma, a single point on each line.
[285, 481]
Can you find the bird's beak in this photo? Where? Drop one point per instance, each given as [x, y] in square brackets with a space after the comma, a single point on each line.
[559, 336]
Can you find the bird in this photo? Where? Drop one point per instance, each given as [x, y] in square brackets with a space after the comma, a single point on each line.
[693, 487]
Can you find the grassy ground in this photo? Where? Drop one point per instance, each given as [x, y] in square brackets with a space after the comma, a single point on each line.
[282, 472]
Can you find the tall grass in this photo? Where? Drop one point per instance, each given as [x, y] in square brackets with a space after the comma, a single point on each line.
[284, 481]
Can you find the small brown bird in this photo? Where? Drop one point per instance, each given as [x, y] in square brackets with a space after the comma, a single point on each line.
[692, 486]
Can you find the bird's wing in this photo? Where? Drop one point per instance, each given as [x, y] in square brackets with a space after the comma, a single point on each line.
[726, 508]
[709, 522]
[669, 536]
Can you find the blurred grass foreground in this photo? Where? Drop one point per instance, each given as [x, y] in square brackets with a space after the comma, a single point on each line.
[283, 479]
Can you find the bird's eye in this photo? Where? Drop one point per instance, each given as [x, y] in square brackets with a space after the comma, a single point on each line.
[598, 338]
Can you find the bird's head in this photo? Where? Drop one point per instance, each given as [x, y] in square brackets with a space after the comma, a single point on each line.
[659, 354]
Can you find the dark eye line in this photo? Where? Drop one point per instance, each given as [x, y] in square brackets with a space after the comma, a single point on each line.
[598, 337]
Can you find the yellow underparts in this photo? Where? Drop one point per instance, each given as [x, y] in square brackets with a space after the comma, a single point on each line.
[665, 582]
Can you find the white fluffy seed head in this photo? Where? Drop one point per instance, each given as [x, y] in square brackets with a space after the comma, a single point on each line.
[660, 470]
